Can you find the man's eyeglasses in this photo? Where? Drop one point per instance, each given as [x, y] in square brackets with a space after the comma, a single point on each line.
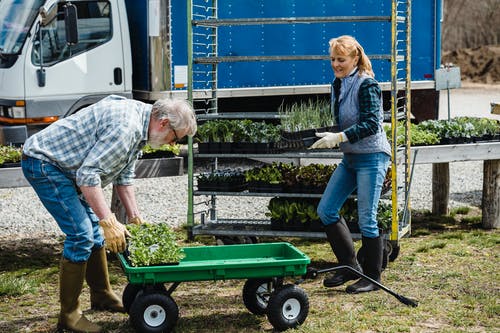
[176, 138]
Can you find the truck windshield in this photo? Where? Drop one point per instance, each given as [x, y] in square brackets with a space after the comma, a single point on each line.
[16, 18]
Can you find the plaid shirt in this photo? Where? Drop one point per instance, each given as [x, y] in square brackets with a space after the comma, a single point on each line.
[97, 145]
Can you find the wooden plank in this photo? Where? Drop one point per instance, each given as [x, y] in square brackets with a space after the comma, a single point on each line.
[491, 194]
[164, 167]
[456, 153]
[440, 188]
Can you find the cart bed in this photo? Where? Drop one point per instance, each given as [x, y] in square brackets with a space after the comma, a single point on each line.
[223, 262]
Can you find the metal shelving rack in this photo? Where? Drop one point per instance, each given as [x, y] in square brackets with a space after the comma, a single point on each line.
[202, 90]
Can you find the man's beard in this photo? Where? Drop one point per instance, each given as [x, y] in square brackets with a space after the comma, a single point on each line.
[155, 140]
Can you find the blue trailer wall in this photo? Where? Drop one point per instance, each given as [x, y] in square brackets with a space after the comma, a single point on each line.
[296, 39]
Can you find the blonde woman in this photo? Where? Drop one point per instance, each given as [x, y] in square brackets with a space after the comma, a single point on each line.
[357, 108]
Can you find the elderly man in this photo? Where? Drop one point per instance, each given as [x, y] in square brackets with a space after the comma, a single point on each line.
[68, 164]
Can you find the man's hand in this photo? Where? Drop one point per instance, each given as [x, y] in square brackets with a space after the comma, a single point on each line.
[136, 220]
[114, 234]
[328, 140]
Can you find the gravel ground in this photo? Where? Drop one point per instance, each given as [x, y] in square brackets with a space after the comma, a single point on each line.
[165, 199]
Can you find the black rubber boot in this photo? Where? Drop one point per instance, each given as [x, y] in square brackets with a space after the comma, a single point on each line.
[340, 240]
[372, 265]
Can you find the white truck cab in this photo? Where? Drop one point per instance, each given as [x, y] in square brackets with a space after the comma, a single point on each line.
[54, 62]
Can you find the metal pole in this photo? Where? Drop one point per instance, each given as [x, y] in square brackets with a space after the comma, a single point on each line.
[190, 212]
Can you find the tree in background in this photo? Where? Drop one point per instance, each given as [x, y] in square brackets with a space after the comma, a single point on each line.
[470, 23]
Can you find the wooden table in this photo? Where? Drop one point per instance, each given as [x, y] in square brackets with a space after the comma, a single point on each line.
[145, 168]
[441, 156]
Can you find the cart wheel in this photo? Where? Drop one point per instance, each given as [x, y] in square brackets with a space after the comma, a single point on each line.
[256, 293]
[154, 313]
[395, 248]
[361, 257]
[232, 240]
[288, 307]
[129, 294]
[132, 290]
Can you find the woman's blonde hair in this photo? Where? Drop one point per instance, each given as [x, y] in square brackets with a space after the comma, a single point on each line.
[349, 46]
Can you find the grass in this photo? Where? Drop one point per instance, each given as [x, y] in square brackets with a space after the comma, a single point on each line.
[452, 271]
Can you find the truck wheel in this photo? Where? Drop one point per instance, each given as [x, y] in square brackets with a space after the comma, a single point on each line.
[129, 294]
[288, 307]
[154, 313]
[256, 293]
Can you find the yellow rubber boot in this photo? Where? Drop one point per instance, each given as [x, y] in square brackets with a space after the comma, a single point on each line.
[71, 318]
[102, 296]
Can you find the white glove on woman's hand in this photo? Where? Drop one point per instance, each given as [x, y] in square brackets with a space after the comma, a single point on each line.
[329, 140]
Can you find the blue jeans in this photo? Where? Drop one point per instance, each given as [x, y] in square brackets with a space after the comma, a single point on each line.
[60, 197]
[364, 172]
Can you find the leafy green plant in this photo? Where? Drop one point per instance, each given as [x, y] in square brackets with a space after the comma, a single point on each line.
[269, 174]
[243, 130]
[174, 149]
[304, 115]
[10, 154]
[153, 244]
[289, 210]
[315, 175]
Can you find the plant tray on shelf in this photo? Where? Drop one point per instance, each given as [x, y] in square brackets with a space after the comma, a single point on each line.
[261, 187]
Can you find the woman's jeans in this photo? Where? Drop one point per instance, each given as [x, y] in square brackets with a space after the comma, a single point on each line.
[74, 216]
[364, 172]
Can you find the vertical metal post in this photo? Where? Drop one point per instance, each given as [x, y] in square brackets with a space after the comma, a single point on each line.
[190, 212]
[394, 122]
[408, 113]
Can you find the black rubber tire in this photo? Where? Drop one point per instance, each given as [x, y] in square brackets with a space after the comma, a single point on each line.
[395, 252]
[232, 240]
[129, 294]
[256, 295]
[288, 307]
[154, 312]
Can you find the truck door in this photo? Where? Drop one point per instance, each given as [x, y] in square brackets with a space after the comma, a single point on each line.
[91, 67]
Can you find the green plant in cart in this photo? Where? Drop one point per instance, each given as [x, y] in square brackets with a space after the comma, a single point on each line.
[153, 244]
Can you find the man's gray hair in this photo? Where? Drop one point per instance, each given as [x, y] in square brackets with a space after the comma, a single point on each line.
[179, 112]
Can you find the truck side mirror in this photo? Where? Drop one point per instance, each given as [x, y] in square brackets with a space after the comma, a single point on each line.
[70, 23]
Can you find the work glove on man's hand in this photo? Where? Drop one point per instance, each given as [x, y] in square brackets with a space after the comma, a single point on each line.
[136, 220]
[114, 234]
[329, 140]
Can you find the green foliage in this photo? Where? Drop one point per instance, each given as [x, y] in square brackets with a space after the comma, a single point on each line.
[10, 154]
[293, 209]
[11, 285]
[174, 149]
[270, 174]
[315, 175]
[304, 115]
[432, 132]
[153, 244]
[245, 130]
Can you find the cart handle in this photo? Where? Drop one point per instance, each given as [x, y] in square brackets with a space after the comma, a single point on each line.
[312, 273]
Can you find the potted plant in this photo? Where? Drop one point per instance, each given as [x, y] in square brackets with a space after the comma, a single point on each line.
[267, 178]
[225, 180]
[10, 156]
[301, 121]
